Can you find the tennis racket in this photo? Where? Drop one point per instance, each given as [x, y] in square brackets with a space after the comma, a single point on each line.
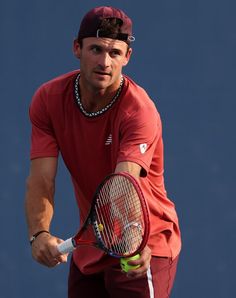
[118, 221]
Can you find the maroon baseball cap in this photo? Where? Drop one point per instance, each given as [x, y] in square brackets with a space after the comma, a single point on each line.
[90, 25]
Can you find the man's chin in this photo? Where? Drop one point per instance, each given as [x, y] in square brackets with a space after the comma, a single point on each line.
[101, 83]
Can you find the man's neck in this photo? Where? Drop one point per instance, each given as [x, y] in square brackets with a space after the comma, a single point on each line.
[94, 100]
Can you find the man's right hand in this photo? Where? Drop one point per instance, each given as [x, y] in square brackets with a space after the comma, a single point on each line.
[44, 250]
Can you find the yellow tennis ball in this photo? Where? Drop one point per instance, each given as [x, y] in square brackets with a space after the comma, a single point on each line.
[124, 263]
[100, 227]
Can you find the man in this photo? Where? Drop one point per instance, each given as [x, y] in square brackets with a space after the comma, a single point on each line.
[101, 122]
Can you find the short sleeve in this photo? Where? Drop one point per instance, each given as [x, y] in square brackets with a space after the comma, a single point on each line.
[140, 132]
[43, 141]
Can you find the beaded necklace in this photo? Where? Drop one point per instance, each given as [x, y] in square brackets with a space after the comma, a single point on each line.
[103, 110]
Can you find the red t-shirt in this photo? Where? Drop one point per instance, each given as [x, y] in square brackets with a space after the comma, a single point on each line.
[130, 130]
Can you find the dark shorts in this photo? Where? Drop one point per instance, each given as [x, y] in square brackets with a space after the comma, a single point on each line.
[112, 283]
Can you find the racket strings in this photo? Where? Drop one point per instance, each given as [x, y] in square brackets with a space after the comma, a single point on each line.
[119, 216]
[130, 218]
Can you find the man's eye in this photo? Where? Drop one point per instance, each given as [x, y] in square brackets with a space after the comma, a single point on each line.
[115, 53]
[96, 50]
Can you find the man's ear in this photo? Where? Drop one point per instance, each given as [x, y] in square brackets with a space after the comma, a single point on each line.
[127, 57]
[76, 49]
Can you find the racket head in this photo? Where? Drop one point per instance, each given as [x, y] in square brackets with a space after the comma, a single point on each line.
[119, 216]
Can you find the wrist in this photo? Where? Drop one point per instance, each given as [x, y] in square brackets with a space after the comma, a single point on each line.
[32, 239]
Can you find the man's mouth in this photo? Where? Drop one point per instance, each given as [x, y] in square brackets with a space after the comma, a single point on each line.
[102, 73]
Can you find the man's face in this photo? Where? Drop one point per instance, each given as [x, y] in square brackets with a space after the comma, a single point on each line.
[101, 61]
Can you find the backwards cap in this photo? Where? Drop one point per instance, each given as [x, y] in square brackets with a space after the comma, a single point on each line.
[90, 25]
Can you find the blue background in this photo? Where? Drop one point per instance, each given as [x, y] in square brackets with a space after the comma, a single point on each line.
[184, 56]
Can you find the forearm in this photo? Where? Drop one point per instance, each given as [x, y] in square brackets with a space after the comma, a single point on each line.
[129, 167]
[39, 204]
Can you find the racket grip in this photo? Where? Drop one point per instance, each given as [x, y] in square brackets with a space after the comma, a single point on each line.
[66, 246]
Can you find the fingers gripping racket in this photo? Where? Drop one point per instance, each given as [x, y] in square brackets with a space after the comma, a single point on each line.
[118, 221]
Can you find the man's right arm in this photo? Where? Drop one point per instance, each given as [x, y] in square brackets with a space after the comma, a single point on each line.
[39, 206]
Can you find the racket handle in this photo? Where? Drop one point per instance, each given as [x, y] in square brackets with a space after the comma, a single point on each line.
[66, 246]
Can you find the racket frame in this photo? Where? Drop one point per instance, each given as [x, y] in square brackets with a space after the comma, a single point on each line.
[92, 220]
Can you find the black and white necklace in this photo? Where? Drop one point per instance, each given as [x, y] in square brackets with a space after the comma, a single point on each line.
[103, 110]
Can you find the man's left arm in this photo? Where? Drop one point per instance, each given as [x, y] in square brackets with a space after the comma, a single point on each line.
[144, 261]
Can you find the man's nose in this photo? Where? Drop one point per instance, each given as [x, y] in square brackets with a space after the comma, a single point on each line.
[104, 60]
